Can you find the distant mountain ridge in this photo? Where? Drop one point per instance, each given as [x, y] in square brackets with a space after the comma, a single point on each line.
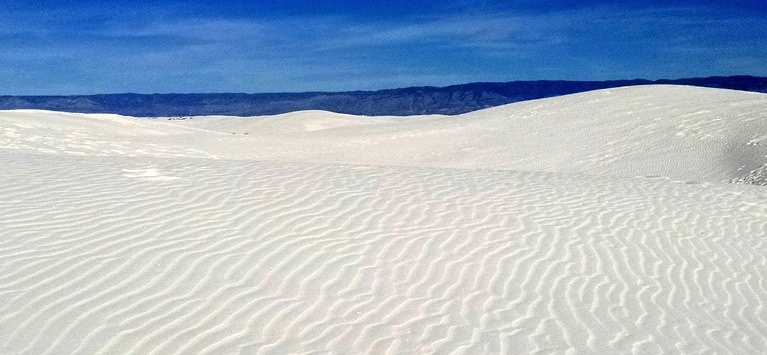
[449, 100]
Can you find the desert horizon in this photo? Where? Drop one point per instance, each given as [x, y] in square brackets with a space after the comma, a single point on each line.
[370, 177]
[619, 220]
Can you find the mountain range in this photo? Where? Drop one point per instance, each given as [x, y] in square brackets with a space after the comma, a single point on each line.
[449, 100]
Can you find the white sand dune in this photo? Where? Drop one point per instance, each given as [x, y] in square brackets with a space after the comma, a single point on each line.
[600, 222]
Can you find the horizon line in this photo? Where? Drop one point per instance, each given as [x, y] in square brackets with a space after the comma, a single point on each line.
[645, 81]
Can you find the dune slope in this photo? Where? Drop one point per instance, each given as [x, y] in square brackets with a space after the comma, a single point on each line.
[309, 234]
[684, 133]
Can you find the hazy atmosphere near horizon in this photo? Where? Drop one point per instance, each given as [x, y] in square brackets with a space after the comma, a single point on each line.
[93, 47]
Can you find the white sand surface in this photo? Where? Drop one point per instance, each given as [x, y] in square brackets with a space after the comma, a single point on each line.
[625, 220]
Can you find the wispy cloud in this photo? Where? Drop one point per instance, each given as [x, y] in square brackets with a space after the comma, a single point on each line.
[166, 49]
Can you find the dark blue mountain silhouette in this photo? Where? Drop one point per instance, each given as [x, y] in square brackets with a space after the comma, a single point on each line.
[448, 100]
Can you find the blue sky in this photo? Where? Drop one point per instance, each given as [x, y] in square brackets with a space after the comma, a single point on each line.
[90, 47]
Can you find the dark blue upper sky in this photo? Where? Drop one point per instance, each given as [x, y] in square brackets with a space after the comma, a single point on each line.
[87, 47]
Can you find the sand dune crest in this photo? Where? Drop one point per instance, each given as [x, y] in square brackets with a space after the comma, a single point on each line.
[120, 235]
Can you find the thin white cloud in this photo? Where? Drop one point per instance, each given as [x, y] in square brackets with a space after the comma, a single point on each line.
[467, 31]
[167, 52]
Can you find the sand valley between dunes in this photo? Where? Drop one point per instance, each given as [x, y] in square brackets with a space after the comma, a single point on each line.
[629, 220]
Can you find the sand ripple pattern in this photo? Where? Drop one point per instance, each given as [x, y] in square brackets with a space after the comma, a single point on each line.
[153, 256]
